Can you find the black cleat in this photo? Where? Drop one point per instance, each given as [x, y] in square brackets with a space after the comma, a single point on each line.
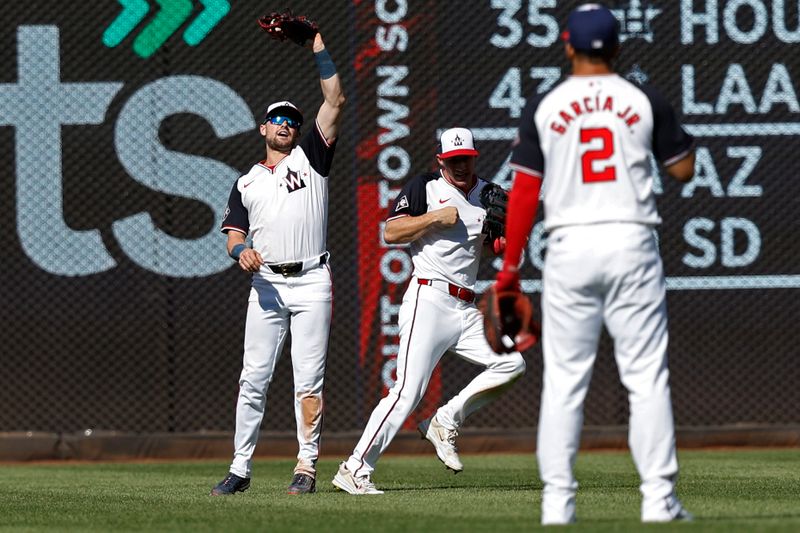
[302, 484]
[231, 485]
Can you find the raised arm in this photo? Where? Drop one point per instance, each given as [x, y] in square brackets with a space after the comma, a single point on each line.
[330, 111]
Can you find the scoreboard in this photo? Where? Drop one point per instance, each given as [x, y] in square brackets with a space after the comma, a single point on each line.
[731, 70]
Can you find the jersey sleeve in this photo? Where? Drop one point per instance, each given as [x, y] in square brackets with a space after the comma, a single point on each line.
[671, 142]
[235, 217]
[318, 150]
[526, 153]
[412, 199]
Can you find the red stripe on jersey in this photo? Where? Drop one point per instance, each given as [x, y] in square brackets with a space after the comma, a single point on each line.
[271, 168]
[234, 228]
[321, 134]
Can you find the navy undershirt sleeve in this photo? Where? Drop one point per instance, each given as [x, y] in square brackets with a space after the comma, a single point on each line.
[235, 213]
[412, 199]
[318, 151]
[670, 140]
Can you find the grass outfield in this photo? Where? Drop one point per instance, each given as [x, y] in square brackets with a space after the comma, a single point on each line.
[752, 490]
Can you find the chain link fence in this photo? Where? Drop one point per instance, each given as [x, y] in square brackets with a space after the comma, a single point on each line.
[119, 309]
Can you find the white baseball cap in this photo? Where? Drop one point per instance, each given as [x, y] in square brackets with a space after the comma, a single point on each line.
[455, 142]
[284, 107]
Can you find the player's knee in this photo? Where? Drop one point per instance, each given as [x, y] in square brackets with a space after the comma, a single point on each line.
[517, 366]
[512, 365]
[251, 388]
[407, 399]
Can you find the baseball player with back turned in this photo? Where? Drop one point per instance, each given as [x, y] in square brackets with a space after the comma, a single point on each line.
[283, 203]
[586, 144]
[440, 214]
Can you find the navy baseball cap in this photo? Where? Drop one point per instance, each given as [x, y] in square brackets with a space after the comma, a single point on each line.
[592, 28]
[285, 108]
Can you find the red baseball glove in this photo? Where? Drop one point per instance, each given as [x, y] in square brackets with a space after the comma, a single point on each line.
[287, 26]
[508, 321]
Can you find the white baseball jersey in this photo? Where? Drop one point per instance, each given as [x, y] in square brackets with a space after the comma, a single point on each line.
[598, 132]
[451, 254]
[285, 207]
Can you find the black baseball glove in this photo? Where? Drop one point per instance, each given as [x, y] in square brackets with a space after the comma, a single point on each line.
[495, 200]
[287, 26]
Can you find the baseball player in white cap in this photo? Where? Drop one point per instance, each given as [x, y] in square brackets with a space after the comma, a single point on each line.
[441, 216]
[586, 145]
[283, 204]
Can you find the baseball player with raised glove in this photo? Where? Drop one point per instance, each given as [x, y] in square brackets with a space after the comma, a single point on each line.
[282, 203]
[589, 140]
[441, 216]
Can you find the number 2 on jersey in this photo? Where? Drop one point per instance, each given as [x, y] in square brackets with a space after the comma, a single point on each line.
[608, 173]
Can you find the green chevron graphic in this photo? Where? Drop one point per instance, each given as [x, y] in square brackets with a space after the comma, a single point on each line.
[133, 11]
[170, 17]
[214, 11]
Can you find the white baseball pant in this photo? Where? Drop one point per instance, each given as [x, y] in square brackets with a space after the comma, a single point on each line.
[593, 275]
[300, 303]
[432, 322]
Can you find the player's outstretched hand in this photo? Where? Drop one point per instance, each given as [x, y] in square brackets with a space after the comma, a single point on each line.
[316, 44]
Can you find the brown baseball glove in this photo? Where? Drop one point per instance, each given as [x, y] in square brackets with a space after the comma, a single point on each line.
[287, 26]
[508, 321]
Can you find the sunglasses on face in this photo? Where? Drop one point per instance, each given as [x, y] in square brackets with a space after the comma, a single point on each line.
[280, 119]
